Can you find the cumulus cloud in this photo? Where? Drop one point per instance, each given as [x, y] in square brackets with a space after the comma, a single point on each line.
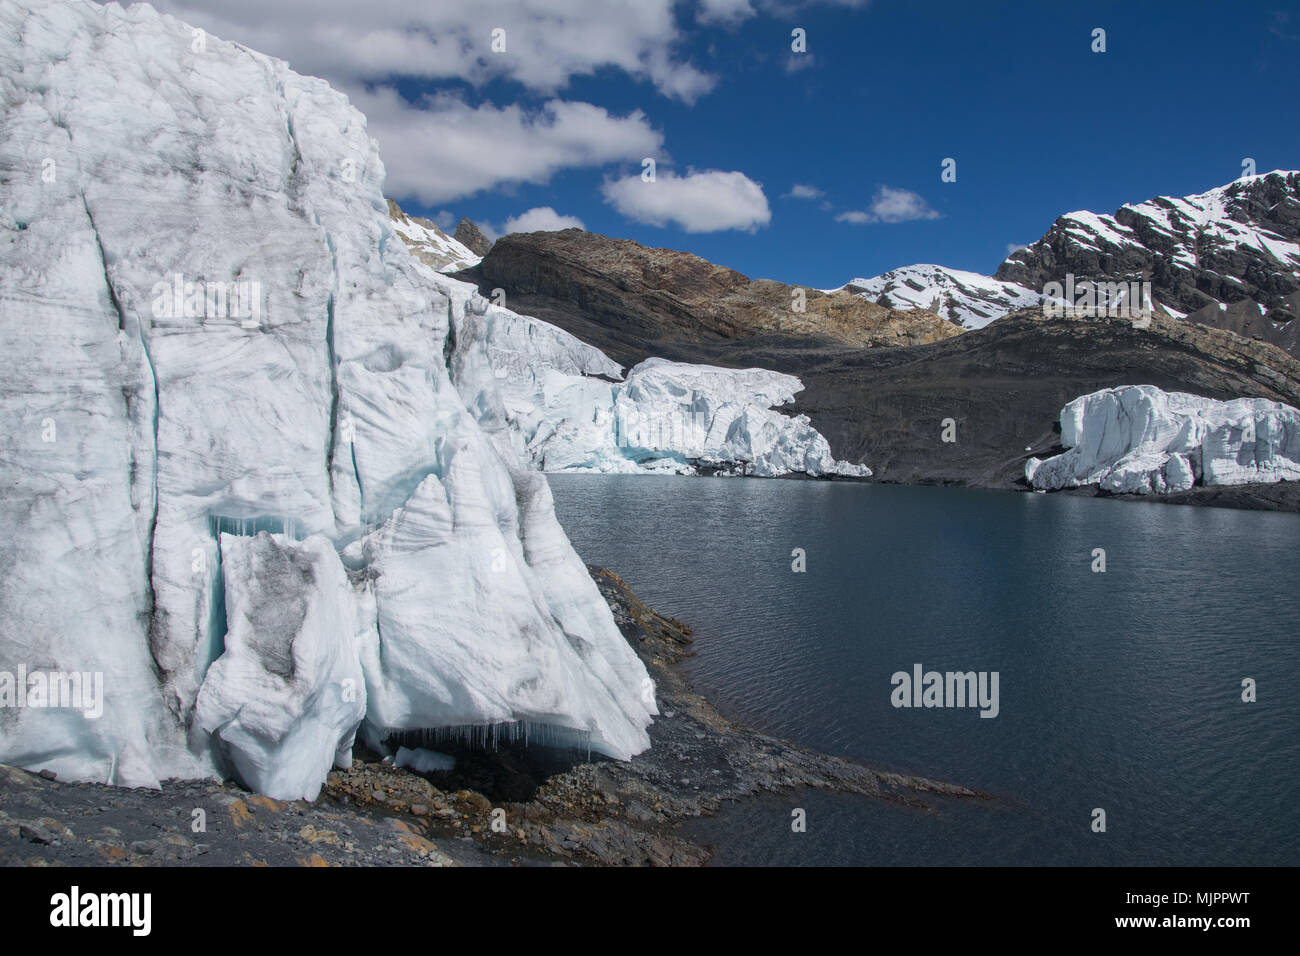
[542, 219]
[707, 201]
[726, 12]
[366, 49]
[443, 148]
[546, 41]
[803, 191]
[890, 205]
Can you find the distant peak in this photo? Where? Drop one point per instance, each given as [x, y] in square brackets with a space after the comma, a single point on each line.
[469, 235]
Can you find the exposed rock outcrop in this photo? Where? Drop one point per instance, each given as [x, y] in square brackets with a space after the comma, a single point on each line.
[634, 302]
[1004, 386]
[471, 237]
[1236, 246]
[1228, 258]
[430, 244]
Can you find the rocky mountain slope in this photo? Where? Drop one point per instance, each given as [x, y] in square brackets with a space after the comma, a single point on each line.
[1003, 388]
[1236, 244]
[1227, 258]
[430, 244]
[967, 299]
[634, 302]
[471, 237]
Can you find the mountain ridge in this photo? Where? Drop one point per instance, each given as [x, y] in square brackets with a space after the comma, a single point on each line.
[1227, 258]
[650, 297]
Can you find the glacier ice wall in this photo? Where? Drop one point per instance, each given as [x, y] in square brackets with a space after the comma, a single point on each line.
[564, 406]
[1138, 439]
[284, 700]
[210, 324]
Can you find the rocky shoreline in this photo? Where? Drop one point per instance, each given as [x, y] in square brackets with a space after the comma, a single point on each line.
[1273, 496]
[511, 806]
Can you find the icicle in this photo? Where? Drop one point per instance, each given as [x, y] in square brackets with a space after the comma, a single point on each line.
[491, 735]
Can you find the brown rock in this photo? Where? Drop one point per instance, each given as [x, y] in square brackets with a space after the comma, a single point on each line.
[630, 300]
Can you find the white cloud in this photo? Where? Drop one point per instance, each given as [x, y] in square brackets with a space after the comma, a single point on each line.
[802, 191]
[727, 12]
[890, 205]
[794, 62]
[547, 41]
[542, 219]
[708, 201]
[1014, 246]
[444, 149]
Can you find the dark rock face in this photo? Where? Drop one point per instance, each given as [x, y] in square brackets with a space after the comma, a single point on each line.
[1004, 387]
[1238, 245]
[1247, 318]
[469, 235]
[633, 301]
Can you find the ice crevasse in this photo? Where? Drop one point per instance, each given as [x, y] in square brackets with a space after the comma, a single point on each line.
[260, 507]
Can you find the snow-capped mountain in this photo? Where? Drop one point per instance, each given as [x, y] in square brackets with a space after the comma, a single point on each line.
[964, 298]
[1138, 439]
[1228, 258]
[239, 482]
[430, 244]
[1237, 245]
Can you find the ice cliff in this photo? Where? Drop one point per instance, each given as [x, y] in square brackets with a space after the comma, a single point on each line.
[238, 479]
[563, 405]
[1138, 439]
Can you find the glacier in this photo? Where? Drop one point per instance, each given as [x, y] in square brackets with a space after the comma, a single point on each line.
[1138, 439]
[276, 527]
[560, 405]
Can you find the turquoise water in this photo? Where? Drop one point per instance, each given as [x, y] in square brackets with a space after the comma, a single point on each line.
[1119, 690]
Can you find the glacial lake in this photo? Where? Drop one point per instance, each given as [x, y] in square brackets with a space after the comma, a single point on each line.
[1119, 690]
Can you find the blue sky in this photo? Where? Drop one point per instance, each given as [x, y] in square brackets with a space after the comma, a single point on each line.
[1037, 122]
